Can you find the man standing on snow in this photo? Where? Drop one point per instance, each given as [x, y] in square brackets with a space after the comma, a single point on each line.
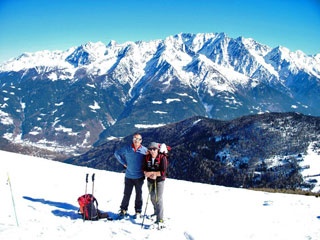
[131, 157]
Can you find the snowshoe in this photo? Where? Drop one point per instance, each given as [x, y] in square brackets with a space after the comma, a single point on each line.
[104, 215]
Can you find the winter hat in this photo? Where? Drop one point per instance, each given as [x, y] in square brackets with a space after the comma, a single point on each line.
[154, 145]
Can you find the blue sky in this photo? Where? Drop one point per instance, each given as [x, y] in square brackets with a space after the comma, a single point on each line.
[35, 25]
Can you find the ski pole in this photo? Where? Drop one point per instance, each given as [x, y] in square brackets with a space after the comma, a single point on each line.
[14, 206]
[86, 183]
[144, 215]
[92, 195]
[85, 199]
[155, 190]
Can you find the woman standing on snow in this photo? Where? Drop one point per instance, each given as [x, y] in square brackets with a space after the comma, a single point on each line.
[154, 167]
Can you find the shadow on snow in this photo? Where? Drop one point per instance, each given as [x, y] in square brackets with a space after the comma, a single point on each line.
[69, 210]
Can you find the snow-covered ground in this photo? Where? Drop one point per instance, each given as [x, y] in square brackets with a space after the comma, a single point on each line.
[45, 194]
[311, 166]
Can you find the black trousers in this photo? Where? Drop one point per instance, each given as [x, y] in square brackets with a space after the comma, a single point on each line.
[128, 187]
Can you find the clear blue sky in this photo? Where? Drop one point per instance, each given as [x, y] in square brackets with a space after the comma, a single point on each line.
[34, 25]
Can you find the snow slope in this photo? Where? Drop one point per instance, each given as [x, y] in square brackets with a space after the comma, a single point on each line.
[45, 194]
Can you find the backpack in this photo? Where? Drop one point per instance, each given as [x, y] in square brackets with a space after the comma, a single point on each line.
[88, 207]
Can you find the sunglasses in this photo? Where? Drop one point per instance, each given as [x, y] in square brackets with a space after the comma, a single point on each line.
[137, 139]
[152, 149]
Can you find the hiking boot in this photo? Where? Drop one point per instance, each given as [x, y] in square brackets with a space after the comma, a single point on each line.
[137, 215]
[161, 224]
[122, 213]
[152, 217]
[157, 225]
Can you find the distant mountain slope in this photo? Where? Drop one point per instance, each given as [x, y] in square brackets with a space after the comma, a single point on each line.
[277, 150]
[66, 101]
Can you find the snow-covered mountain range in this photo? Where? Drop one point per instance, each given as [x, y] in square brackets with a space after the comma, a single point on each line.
[46, 206]
[68, 100]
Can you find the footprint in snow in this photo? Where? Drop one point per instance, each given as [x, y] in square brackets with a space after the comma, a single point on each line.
[267, 203]
[188, 236]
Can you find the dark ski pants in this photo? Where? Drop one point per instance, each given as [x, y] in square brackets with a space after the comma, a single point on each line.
[156, 195]
[128, 187]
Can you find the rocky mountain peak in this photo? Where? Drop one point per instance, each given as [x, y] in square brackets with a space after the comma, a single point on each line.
[75, 98]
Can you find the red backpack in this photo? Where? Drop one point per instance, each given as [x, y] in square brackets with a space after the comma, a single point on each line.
[89, 207]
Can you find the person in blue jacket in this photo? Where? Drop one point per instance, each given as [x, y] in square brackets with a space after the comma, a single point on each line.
[131, 157]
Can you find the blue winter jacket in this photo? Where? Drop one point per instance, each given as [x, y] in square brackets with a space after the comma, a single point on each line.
[133, 158]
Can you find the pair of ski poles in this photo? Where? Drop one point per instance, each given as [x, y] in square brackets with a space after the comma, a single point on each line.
[145, 210]
[84, 210]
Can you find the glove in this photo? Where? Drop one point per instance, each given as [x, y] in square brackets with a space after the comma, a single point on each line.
[163, 148]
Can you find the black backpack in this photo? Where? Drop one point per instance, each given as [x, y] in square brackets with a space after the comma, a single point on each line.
[88, 207]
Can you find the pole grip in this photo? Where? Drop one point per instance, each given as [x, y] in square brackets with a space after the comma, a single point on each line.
[87, 178]
[93, 177]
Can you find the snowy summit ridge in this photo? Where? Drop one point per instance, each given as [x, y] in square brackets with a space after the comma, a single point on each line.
[179, 51]
[205, 74]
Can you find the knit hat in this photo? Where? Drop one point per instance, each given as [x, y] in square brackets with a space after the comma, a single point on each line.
[154, 145]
